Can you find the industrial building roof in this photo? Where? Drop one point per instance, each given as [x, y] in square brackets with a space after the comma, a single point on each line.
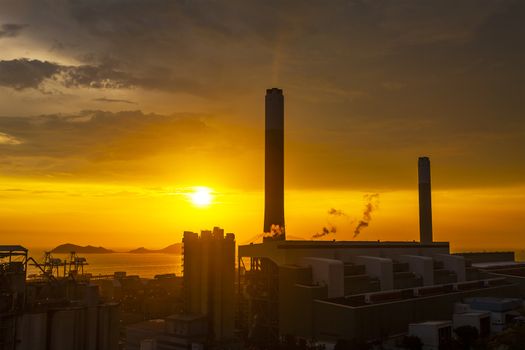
[12, 248]
[304, 244]
[432, 323]
[494, 304]
[398, 295]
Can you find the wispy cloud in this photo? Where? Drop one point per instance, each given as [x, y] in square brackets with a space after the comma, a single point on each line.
[113, 100]
[26, 73]
[101, 144]
[99, 135]
[6, 139]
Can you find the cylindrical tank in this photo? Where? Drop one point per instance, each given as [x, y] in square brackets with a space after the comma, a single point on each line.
[32, 331]
[91, 295]
[92, 328]
[108, 326]
[67, 329]
[17, 277]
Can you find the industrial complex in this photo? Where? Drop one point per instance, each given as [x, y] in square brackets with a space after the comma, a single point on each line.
[50, 312]
[325, 293]
[361, 291]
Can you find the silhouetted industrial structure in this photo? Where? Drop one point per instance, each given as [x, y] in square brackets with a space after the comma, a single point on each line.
[209, 278]
[326, 292]
[274, 165]
[356, 291]
[207, 321]
[51, 313]
[425, 200]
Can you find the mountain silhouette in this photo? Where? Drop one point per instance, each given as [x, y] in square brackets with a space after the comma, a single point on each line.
[88, 249]
[175, 248]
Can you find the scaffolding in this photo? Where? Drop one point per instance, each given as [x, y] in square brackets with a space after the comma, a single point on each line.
[258, 307]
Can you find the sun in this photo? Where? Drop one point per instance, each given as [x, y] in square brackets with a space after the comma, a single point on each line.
[201, 196]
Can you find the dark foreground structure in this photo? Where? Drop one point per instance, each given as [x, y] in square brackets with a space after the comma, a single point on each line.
[274, 165]
[320, 292]
[356, 291]
[330, 292]
[360, 291]
[50, 313]
[425, 200]
[208, 315]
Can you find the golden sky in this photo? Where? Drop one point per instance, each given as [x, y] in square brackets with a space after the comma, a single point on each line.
[112, 112]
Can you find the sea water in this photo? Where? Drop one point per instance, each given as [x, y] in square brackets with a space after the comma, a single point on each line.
[144, 265]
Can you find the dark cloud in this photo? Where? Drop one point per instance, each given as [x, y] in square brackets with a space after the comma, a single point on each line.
[113, 100]
[98, 136]
[204, 47]
[98, 77]
[499, 35]
[24, 73]
[123, 146]
[10, 30]
[370, 85]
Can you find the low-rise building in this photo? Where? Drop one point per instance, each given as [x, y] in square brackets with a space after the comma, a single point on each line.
[433, 334]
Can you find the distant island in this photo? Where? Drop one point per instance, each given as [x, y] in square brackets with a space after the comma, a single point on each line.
[175, 248]
[89, 249]
[67, 248]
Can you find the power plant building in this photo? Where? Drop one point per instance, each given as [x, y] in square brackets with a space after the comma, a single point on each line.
[351, 290]
[318, 290]
[335, 290]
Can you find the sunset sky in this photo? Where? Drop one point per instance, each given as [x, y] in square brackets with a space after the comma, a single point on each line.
[114, 112]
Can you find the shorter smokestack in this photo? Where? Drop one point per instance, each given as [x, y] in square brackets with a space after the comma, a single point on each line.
[425, 200]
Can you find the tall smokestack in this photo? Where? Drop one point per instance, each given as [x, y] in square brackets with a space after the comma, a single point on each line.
[274, 165]
[425, 201]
